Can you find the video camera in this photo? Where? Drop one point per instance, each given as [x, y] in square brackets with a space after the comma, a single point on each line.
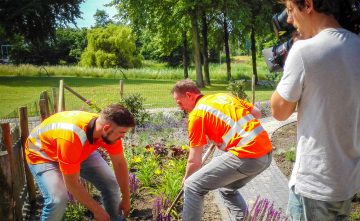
[348, 17]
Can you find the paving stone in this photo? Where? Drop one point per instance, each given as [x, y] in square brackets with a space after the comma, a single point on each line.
[270, 184]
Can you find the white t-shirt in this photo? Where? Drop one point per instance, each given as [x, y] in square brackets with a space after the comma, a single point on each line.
[322, 74]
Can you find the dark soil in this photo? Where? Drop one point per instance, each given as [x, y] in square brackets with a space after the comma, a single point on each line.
[284, 140]
[143, 206]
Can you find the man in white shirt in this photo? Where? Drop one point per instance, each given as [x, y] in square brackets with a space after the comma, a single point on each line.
[322, 78]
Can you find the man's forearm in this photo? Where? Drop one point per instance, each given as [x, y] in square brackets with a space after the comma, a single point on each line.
[80, 194]
[194, 160]
[122, 176]
[191, 168]
[280, 108]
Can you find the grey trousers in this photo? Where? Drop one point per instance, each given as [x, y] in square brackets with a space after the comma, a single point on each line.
[227, 173]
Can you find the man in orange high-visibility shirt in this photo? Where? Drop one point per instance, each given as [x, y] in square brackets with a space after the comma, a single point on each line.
[63, 148]
[231, 124]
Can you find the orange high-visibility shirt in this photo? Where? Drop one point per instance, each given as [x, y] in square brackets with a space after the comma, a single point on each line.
[63, 138]
[227, 121]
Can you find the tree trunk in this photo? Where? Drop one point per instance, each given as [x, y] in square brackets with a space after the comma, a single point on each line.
[196, 45]
[253, 57]
[227, 49]
[253, 51]
[185, 55]
[205, 50]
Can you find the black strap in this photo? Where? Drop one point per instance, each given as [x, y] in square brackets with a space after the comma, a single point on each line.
[90, 130]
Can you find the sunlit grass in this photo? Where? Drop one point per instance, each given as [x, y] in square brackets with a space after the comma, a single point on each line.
[21, 85]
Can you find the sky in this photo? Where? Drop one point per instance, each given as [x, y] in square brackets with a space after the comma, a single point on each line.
[88, 9]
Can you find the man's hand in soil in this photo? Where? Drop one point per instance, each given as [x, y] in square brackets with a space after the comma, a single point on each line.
[125, 207]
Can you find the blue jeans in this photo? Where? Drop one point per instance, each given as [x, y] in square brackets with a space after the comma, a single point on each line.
[301, 208]
[94, 169]
[227, 173]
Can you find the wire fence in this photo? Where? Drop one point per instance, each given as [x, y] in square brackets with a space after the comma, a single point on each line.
[156, 95]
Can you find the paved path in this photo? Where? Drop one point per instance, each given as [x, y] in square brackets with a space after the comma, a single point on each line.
[270, 184]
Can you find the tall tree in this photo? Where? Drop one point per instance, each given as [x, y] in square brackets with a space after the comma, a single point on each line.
[197, 48]
[37, 20]
[257, 16]
[101, 18]
[162, 26]
[227, 48]
[205, 51]
[185, 55]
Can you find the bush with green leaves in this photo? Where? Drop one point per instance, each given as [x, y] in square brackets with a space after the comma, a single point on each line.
[135, 104]
[237, 88]
[111, 46]
[274, 78]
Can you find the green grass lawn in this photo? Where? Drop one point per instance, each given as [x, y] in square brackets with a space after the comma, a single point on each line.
[22, 85]
[19, 91]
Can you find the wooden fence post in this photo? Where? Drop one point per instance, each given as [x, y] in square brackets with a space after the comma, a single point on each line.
[61, 103]
[55, 99]
[24, 133]
[8, 144]
[44, 95]
[121, 88]
[43, 110]
[44, 105]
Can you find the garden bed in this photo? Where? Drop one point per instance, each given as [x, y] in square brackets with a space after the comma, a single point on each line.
[157, 154]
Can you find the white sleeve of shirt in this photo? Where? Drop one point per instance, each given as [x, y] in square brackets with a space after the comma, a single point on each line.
[291, 85]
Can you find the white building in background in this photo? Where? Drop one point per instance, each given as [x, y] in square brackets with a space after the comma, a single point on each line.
[5, 54]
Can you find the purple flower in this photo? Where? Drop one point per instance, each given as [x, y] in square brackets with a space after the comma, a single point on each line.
[262, 210]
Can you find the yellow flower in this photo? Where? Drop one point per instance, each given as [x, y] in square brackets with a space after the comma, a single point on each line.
[158, 171]
[184, 147]
[171, 163]
[136, 159]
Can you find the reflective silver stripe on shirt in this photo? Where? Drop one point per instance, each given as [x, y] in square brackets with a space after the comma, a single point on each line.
[250, 136]
[54, 126]
[37, 149]
[235, 127]
[216, 113]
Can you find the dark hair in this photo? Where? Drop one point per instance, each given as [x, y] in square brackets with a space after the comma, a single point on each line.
[346, 12]
[328, 7]
[119, 115]
[184, 86]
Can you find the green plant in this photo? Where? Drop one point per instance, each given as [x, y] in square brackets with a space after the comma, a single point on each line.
[135, 104]
[290, 155]
[75, 212]
[146, 170]
[171, 177]
[237, 88]
[274, 77]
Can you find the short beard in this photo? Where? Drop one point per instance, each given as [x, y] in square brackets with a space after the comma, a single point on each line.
[106, 139]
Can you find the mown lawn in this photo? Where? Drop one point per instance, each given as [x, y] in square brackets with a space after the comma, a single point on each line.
[19, 91]
[22, 85]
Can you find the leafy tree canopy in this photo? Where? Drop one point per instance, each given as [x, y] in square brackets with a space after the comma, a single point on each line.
[111, 46]
[101, 18]
[37, 20]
